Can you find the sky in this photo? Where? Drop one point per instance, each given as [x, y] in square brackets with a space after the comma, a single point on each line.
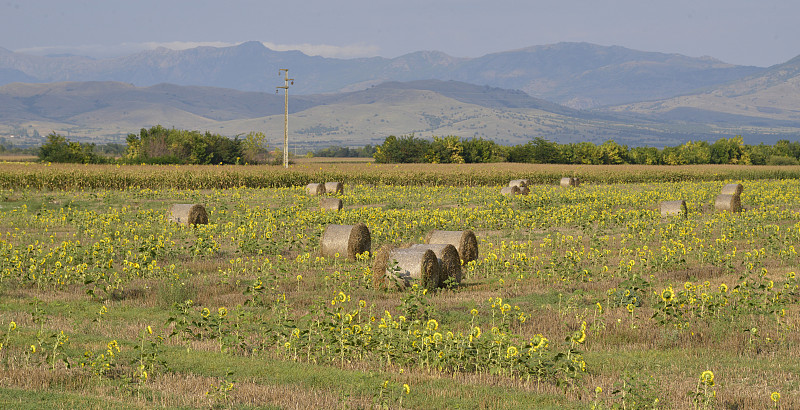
[747, 32]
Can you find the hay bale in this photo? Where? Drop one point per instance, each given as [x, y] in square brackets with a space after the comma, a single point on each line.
[569, 182]
[330, 204]
[449, 261]
[188, 214]
[510, 190]
[411, 264]
[315, 189]
[346, 240]
[334, 188]
[732, 189]
[674, 208]
[519, 182]
[726, 202]
[464, 241]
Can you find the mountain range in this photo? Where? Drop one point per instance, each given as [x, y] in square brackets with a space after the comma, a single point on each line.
[564, 92]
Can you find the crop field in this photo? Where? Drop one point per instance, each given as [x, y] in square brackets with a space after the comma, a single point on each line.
[582, 297]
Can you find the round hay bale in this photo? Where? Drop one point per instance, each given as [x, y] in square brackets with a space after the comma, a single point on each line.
[674, 208]
[346, 240]
[449, 261]
[188, 214]
[464, 241]
[315, 189]
[732, 189]
[510, 190]
[519, 182]
[334, 188]
[330, 204]
[731, 203]
[395, 267]
[569, 182]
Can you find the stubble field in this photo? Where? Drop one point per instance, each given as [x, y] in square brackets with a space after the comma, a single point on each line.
[580, 297]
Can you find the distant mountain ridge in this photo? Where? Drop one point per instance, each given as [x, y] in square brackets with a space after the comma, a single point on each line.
[107, 111]
[578, 75]
[771, 96]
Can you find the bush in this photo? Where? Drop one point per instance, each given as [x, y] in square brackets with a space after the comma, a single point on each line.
[782, 160]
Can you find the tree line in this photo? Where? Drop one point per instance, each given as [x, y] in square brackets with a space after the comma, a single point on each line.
[159, 145]
[455, 150]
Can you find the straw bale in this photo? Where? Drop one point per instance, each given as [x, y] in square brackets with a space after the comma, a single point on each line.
[334, 188]
[725, 202]
[464, 241]
[449, 261]
[569, 182]
[510, 190]
[315, 189]
[673, 208]
[346, 240]
[394, 267]
[188, 214]
[519, 182]
[330, 204]
[732, 189]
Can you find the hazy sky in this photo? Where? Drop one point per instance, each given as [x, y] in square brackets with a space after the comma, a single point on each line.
[751, 32]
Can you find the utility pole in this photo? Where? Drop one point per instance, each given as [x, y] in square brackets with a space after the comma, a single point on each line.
[285, 87]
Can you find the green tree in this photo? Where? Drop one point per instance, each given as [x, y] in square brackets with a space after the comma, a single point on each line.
[612, 153]
[479, 150]
[445, 150]
[60, 149]
[406, 149]
[645, 156]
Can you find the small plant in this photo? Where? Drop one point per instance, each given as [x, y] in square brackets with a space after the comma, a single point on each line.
[637, 391]
[149, 358]
[415, 304]
[390, 393]
[11, 328]
[704, 395]
[220, 393]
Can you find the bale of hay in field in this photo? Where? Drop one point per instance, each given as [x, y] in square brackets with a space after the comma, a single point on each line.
[569, 182]
[346, 240]
[674, 208]
[464, 241]
[315, 189]
[732, 189]
[334, 188]
[519, 182]
[726, 202]
[330, 204]
[449, 261]
[397, 268]
[510, 190]
[188, 214]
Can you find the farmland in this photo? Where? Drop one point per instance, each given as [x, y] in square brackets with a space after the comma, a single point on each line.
[580, 298]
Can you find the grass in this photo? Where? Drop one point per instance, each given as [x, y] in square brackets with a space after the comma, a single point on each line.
[553, 256]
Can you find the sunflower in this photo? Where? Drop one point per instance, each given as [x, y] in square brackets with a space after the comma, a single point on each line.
[775, 396]
[511, 352]
[707, 378]
[667, 295]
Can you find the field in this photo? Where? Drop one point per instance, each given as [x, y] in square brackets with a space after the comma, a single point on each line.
[580, 297]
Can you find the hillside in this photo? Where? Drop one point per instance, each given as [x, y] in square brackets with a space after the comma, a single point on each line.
[770, 97]
[579, 75]
[108, 111]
